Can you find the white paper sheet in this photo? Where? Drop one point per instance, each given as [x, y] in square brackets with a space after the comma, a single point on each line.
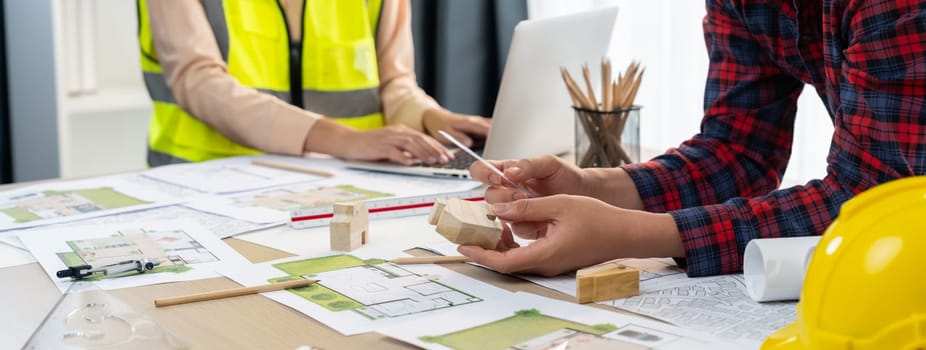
[774, 267]
[62, 201]
[392, 234]
[180, 192]
[276, 204]
[718, 305]
[528, 321]
[655, 274]
[228, 175]
[186, 250]
[358, 293]
[220, 226]
[14, 256]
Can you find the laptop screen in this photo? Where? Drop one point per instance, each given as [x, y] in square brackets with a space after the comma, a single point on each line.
[533, 114]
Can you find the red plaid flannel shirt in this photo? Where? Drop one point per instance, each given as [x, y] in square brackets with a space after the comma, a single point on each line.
[866, 60]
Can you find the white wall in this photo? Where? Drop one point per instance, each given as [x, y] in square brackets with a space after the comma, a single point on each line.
[112, 123]
[104, 108]
[667, 37]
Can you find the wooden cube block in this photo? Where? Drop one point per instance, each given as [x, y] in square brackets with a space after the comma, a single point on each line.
[607, 281]
[349, 226]
[466, 223]
[436, 210]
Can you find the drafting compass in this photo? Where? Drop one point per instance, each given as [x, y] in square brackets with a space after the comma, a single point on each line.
[81, 271]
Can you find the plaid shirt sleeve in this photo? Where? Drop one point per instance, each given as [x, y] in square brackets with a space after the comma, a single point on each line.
[720, 185]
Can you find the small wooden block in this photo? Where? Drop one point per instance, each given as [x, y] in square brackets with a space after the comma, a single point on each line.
[436, 210]
[466, 223]
[349, 226]
[606, 282]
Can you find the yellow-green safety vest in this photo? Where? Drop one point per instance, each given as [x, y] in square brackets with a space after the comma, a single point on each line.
[335, 66]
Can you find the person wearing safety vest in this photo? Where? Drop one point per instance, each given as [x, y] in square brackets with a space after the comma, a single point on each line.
[703, 201]
[234, 78]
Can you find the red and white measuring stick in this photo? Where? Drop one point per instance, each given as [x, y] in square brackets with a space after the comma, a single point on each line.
[381, 208]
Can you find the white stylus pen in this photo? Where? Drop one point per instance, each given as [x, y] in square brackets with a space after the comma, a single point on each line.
[507, 181]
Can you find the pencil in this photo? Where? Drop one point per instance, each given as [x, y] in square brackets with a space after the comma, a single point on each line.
[588, 84]
[290, 167]
[234, 292]
[430, 260]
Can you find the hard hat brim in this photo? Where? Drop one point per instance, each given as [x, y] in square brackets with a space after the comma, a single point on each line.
[785, 338]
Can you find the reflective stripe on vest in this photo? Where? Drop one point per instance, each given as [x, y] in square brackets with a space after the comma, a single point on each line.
[338, 65]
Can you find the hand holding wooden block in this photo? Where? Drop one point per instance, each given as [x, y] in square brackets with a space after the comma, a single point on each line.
[607, 281]
[466, 223]
[349, 226]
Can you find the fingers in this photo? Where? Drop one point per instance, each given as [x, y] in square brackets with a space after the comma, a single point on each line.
[462, 137]
[542, 209]
[396, 155]
[519, 171]
[498, 194]
[529, 230]
[506, 242]
[420, 146]
[473, 125]
[424, 148]
[512, 260]
[530, 258]
[481, 172]
[534, 168]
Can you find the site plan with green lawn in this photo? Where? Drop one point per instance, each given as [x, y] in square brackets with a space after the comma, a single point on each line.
[524, 321]
[63, 201]
[183, 250]
[362, 291]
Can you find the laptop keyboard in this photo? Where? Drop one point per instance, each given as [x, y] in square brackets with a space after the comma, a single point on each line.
[461, 161]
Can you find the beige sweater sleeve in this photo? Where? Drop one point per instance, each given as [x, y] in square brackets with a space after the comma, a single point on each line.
[201, 85]
[403, 101]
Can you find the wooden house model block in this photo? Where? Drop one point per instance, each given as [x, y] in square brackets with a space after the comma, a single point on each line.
[349, 226]
[607, 281]
[466, 223]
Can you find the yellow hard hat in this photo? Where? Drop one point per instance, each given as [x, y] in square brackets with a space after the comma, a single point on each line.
[864, 289]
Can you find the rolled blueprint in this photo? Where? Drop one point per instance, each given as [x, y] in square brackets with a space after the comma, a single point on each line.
[774, 267]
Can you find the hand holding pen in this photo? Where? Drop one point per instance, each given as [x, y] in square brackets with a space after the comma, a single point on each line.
[536, 177]
[507, 182]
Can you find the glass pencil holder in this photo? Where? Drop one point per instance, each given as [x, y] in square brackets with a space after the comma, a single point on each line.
[607, 139]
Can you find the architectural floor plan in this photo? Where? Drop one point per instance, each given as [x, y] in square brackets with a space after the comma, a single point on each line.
[173, 250]
[531, 330]
[49, 204]
[183, 251]
[275, 204]
[524, 321]
[285, 199]
[361, 291]
[373, 288]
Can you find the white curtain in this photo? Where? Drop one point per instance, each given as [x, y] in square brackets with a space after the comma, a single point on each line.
[667, 37]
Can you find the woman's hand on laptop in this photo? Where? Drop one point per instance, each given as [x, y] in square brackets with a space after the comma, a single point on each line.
[396, 143]
[461, 126]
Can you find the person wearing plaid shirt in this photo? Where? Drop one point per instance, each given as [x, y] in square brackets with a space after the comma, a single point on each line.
[705, 200]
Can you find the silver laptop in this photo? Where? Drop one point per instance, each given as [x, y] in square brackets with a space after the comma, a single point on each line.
[532, 114]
